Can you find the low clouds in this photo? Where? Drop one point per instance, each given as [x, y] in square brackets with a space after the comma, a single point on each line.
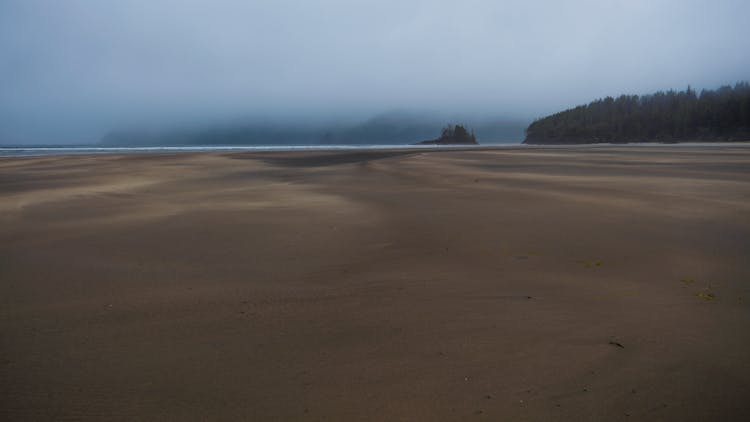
[73, 69]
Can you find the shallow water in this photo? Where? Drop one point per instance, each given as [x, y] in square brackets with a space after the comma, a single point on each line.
[26, 151]
[20, 151]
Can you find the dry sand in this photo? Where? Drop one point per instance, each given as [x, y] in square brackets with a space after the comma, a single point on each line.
[502, 284]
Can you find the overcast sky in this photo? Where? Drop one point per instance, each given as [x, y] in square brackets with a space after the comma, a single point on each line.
[72, 69]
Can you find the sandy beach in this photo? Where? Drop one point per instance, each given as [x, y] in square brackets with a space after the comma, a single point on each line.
[582, 283]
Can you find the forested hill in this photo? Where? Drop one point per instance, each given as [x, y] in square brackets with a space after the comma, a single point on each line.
[712, 116]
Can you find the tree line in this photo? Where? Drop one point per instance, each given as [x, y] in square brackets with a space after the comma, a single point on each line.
[672, 116]
[453, 134]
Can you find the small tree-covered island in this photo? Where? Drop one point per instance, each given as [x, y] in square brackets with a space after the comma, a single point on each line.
[453, 135]
[721, 115]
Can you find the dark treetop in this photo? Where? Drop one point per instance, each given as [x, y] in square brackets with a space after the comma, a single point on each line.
[453, 135]
[713, 116]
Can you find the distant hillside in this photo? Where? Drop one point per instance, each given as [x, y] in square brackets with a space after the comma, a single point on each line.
[713, 116]
[388, 128]
[259, 134]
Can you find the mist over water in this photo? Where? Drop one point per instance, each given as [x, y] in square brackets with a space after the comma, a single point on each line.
[72, 71]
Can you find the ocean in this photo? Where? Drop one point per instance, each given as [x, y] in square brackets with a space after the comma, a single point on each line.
[25, 151]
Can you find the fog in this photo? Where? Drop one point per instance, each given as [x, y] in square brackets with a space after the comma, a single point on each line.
[72, 70]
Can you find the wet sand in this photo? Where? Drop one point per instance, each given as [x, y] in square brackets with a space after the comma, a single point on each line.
[591, 283]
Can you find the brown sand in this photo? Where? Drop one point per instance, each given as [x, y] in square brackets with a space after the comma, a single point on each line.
[384, 285]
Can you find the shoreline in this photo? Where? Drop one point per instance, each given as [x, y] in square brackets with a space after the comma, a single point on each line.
[32, 151]
[62, 150]
[24, 151]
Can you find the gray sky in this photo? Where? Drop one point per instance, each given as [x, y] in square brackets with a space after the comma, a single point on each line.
[72, 69]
